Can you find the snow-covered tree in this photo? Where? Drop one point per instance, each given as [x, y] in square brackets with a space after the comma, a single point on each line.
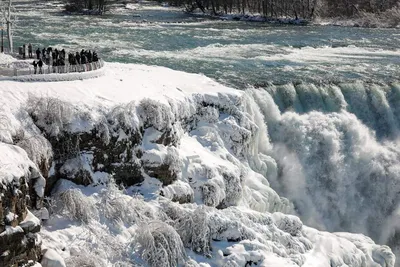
[7, 19]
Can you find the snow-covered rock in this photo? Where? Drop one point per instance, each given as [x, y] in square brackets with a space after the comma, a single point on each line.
[21, 187]
[52, 259]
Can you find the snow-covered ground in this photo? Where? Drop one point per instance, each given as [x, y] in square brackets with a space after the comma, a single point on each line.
[222, 157]
[386, 19]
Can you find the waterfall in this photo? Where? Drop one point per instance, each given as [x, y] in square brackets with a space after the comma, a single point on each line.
[337, 151]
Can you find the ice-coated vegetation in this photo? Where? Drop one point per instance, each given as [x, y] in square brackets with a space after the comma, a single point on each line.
[157, 233]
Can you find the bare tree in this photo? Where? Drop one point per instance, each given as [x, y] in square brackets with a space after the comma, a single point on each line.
[295, 9]
[8, 18]
[98, 6]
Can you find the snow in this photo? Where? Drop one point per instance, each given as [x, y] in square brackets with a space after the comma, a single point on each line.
[237, 235]
[30, 221]
[223, 160]
[11, 230]
[339, 244]
[11, 216]
[178, 190]
[132, 6]
[6, 59]
[14, 163]
[128, 83]
[52, 259]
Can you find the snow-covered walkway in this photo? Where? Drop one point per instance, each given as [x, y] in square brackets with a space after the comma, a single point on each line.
[12, 69]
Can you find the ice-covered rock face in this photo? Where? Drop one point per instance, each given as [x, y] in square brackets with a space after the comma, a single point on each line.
[21, 187]
[152, 139]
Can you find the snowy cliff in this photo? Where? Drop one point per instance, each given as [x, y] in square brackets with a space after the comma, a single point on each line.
[21, 186]
[209, 174]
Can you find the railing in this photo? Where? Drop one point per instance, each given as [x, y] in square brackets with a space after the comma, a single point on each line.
[48, 69]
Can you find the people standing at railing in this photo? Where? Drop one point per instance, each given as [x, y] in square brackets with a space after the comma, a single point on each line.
[30, 50]
[34, 66]
[60, 61]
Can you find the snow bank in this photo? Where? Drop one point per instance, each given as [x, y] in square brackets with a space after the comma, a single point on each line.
[5, 60]
[52, 259]
[14, 163]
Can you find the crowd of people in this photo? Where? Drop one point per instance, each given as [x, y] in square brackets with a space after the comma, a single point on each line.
[58, 59]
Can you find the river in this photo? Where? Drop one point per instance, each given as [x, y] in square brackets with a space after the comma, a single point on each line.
[236, 53]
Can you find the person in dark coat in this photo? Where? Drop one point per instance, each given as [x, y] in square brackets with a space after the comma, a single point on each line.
[40, 63]
[54, 65]
[83, 59]
[89, 56]
[70, 58]
[49, 54]
[34, 66]
[95, 57]
[78, 58]
[38, 53]
[82, 53]
[44, 54]
[30, 50]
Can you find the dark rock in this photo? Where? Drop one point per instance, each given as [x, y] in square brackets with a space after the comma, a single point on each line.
[187, 198]
[168, 138]
[116, 157]
[162, 172]
[18, 245]
[128, 174]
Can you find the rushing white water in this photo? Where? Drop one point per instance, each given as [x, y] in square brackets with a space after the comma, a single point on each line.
[337, 150]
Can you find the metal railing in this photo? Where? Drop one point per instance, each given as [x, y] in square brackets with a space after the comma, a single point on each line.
[48, 69]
